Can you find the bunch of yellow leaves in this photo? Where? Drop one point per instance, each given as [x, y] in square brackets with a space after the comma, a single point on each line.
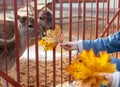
[87, 66]
[52, 38]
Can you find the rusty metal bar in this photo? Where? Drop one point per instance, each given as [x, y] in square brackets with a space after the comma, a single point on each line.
[28, 58]
[79, 16]
[103, 16]
[46, 69]
[36, 42]
[54, 55]
[113, 14]
[107, 27]
[70, 32]
[97, 15]
[108, 10]
[46, 60]
[84, 19]
[118, 15]
[74, 1]
[61, 23]
[16, 41]
[91, 19]
[70, 21]
[10, 80]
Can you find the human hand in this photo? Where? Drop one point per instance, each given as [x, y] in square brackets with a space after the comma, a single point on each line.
[108, 77]
[69, 46]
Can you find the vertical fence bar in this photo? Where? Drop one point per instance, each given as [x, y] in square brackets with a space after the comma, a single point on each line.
[70, 19]
[46, 68]
[70, 32]
[36, 42]
[28, 68]
[16, 41]
[54, 59]
[118, 15]
[103, 15]
[61, 23]
[114, 10]
[108, 12]
[79, 16]
[91, 19]
[97, 15]
[84, 18]
[45, 61]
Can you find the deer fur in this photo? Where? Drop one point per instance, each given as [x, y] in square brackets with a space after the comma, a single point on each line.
[26, 30]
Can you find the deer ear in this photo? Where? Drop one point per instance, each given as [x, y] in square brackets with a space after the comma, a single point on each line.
[49, 5]
[22, 19]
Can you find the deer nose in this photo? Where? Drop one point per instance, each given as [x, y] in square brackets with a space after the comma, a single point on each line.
[30, 25]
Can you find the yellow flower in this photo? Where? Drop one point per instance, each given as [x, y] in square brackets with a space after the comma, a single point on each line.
[52, 39]
[87, 66]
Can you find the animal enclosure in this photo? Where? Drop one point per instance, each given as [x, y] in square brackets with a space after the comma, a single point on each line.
[26, 64]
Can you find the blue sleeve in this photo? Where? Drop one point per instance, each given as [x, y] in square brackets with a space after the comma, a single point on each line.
[110, 44]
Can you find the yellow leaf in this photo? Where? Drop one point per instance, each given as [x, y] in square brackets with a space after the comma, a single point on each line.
[52, 39]
[87, 66]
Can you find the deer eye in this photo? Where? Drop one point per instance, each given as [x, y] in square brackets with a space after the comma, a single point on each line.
[41, 18]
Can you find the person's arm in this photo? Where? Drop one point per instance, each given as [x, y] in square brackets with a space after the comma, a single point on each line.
[110, 44]
[115, 80]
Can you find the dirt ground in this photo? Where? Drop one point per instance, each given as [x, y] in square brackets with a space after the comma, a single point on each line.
[45, 77]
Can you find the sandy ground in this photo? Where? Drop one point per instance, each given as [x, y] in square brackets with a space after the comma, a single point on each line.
[44, 76]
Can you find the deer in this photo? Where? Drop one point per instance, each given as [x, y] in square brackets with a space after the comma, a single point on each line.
[26, 29]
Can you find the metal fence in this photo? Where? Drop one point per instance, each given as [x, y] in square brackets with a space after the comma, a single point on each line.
[78, 19]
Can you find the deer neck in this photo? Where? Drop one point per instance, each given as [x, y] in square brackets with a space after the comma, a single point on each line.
[22, 41]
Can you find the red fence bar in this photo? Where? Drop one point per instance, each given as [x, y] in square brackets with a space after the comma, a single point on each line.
[54, 54]
[28, 44]
[97, 15]
[119, 14]
[16, 41]
[103, 16]
[36, 43]
[84, 19]
[74, 1]
[61, 23]
[108, 10]
[91, 20]
[46, 68]
[10, 80]
[107, 27]
[79, 16]
[70, 32]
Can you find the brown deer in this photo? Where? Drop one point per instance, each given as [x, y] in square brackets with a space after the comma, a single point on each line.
[25, 28]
